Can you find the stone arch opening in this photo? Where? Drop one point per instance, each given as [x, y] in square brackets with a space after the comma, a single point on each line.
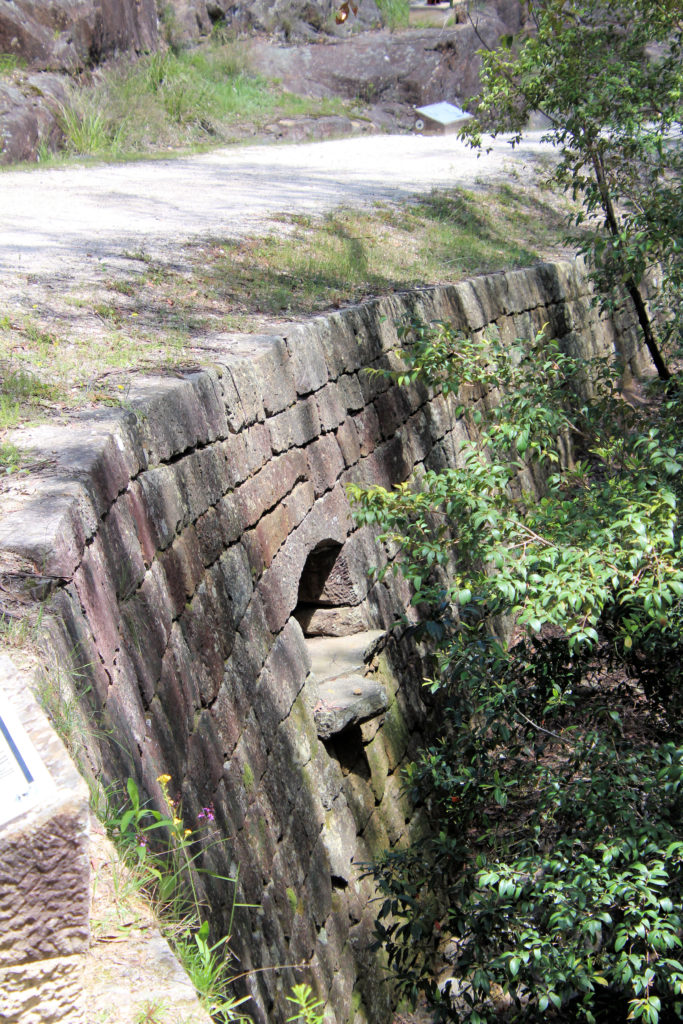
[327, 601]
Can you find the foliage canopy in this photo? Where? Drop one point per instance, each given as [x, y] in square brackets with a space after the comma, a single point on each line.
[608, 77]
[550, 571]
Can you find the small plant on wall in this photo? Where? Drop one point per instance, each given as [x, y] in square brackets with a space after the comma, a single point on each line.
[163, 858]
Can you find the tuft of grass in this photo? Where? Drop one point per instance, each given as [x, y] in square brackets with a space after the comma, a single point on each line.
[9, 63]
[176, 99]
[395, 13]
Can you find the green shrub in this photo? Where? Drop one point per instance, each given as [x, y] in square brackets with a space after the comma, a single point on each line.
[553, 877]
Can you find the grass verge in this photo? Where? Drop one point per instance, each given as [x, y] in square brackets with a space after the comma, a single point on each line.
[174, 100]
[78, 349]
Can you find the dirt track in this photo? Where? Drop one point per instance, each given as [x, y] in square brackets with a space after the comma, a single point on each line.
[59, 224]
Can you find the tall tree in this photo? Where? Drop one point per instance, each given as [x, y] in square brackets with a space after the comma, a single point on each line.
[608, 76]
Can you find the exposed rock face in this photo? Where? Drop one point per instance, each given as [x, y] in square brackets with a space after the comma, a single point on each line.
[67, 35]
[28, 116]
[410, 68]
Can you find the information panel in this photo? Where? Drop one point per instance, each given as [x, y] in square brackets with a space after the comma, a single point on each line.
[24, 780]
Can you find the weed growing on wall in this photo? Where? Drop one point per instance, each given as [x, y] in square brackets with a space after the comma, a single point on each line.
[163, 859]
[549, 569]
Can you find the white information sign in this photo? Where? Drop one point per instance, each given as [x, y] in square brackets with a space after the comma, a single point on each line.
[24, 779]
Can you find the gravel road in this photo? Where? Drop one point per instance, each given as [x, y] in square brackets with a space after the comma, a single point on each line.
[58, 223]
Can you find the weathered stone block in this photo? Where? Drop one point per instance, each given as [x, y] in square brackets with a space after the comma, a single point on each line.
[393, 409]
[43, 992]
[204, 759]
[173, 418]
[295, 427]
[229, 520]
[350, 392]
[347, 439]
[267, 537]
[146, 628]
[282, 679]
[368, 430]
[232, 576]
[121, 548]
[234, 451]
[207, 629]
[257, 447]
[339, 343]
[97, 594]
[209, 536]
[331, 408]
[263, 491]
[163, 503]
[307, 352]
[325, 463]
[183, 569]
[275, 371]
[298, 504]
[248, 389]
[139, 512]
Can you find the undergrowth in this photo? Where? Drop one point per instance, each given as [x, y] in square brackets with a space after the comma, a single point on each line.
[162, 858]
[549, 569]
[175, 99]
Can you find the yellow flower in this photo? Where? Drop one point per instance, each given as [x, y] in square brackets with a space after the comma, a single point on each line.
[177, 821]
[163, 779]
[187, 832]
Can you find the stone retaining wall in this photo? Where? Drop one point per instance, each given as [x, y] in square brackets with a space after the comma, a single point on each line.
[171, 537]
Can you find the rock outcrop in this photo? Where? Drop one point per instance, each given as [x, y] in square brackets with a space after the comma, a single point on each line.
[66, 35]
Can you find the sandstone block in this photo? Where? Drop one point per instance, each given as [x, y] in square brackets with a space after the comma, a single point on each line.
[263, 491]
[325, 463]
[307, 352]
[275, 370]
[347, 439]
[298, 504]
[331, 408]
[209, 536]
[138, 514]
[368, 430]
[43, 992]
[236, 461]
[282, 679]
[350, 393]
[248, 390]
[173, 419]
[393, 409]
[270, 533]
[97, 594]
[183, 568]
[204, 759]
[295, 427]
[163, 503]
[229, 520]
[339, 343]
[258, 450]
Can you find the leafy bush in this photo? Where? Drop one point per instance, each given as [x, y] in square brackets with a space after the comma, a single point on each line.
[550, 563]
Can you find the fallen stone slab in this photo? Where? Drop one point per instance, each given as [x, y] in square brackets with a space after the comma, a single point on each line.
[333, 656]
[346, 700]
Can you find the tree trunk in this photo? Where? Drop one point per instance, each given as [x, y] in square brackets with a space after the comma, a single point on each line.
[646, 326]
[631, 286]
